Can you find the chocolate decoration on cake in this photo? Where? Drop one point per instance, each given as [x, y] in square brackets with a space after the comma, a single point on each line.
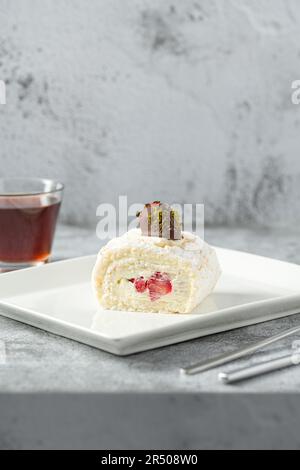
[159, 219]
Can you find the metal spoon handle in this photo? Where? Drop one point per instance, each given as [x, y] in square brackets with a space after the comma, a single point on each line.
[228, 357]
[259, 369]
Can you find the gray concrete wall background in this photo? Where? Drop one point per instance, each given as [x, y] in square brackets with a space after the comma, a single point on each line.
[187, 101]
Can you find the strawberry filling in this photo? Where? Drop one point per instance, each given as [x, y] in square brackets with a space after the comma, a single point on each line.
[158, 284]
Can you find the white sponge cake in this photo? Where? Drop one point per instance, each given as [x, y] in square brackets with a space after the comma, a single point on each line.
[154, 274]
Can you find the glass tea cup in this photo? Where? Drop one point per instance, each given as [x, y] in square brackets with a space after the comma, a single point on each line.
[29, 208]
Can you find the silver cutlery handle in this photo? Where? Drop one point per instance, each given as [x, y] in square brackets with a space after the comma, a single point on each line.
[228, 357]
[259, 369]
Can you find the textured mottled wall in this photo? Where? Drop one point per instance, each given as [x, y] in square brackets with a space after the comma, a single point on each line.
[178, 100]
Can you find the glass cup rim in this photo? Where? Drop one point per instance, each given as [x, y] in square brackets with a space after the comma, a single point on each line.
[57, 186]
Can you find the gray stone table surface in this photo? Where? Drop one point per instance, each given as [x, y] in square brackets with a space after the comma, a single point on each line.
[37, 361]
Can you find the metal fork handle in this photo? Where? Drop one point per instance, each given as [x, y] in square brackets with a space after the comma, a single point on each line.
[237, 354]
[259, 369]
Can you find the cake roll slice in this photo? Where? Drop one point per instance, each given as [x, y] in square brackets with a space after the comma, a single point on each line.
[154, 274]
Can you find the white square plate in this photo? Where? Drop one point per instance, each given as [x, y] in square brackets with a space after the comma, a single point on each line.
[58, 298]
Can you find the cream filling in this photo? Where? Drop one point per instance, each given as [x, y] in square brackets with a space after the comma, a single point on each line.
[118, 291]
